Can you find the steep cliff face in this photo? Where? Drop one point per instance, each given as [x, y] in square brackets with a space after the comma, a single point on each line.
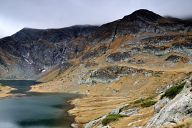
[33, 51]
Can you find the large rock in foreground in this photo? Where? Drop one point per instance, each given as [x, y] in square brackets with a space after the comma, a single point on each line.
[178, 109]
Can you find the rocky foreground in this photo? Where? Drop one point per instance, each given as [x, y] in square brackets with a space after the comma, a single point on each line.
[134, 72]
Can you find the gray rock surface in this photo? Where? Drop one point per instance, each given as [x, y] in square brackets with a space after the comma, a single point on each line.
[98, 121]
[118, 56]
[93, 123]
[174, 58]
[120, 110]
[113, 73]
[175, 110]
[129, 112]
[160, 104]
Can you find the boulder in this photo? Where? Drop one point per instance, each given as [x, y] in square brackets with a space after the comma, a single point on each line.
[175, 110]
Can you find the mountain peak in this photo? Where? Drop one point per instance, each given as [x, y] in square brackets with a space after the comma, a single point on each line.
[143, 14]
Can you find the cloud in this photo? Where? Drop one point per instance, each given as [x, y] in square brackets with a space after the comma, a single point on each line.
[16, 14]
[9, 26]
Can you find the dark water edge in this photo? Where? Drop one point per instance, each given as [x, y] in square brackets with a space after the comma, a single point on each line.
[45, 110]
[42, 111]
[21, 86]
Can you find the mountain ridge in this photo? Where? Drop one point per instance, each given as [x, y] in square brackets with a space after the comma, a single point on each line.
[55, 46]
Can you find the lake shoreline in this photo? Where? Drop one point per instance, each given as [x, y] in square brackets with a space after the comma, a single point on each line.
[64, 106]
[5, 91]
[72, 102]
[8, 93]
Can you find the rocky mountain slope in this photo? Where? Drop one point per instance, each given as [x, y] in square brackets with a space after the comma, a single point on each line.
[36, 51]
[33, 51]
[122, 67]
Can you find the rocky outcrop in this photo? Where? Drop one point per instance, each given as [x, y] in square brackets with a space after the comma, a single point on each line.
[118, 56]
[160, 104]
[104, 76]
[113, 73]
[156, 50]
[122, 110]
[95, 53]
[157, 40]
[176, 58]
[161, 45]
[93, 123]
[170, 112]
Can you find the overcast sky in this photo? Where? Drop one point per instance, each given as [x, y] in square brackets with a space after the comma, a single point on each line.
[17, 14]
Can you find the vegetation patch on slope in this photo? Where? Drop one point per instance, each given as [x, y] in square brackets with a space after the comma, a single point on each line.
[111, 118]
[173, 91]
[147, 102]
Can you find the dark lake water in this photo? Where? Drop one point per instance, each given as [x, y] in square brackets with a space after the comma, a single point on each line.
[22, 86]
[35, 110]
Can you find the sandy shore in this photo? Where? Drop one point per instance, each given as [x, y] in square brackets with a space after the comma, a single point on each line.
[5, 91]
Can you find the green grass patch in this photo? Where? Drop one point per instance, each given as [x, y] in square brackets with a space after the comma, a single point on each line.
[147, 102]
[111, 118]
[173, 91]
[138, 101]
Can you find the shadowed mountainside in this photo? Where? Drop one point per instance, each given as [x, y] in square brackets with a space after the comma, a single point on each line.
[32, 51]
